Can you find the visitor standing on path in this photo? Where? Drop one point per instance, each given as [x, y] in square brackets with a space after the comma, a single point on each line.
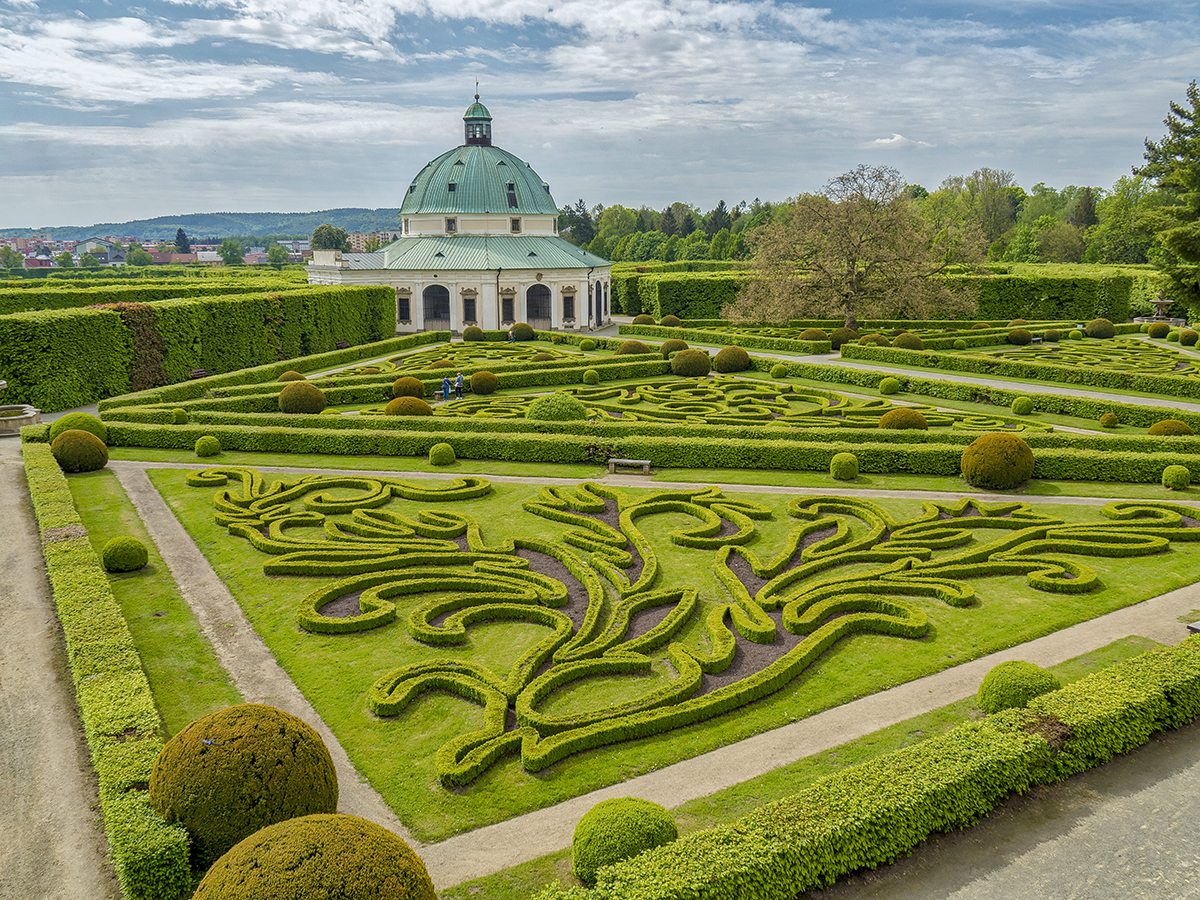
[458, 386]
[445, 387]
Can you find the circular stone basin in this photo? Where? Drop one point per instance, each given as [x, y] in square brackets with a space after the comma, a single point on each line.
[14, 418]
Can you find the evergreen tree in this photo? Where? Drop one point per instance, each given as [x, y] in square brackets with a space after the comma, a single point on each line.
[717, 219]
[579, 220]
[182, 244]
[687, 224]
[1084, 213]
[666, 222]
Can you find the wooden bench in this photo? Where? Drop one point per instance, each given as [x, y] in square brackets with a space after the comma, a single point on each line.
[341, 345]
[437, 395]
[644, 463]
[198, 373]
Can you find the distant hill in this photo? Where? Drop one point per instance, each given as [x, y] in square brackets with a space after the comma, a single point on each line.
[227, 224]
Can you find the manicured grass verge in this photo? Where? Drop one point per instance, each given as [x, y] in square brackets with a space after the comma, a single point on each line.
[185, 677]
[115, 702]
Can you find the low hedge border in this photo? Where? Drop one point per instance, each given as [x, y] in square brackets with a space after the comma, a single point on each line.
[151, 858]
[870, 814]
[724, 338]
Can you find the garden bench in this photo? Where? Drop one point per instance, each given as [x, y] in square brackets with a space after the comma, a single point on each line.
[437, 395]
[198, 373]
[341, 345]
[644, 463]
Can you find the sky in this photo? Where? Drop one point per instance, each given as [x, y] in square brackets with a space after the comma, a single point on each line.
[111, 111]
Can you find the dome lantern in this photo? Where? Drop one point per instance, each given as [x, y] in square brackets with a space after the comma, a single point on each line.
[478, 124]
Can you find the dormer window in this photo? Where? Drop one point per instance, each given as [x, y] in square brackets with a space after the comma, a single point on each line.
[412, 188]
[452, 187]
[512, 195]
[451, 225]
[514, 226]
[406, 226]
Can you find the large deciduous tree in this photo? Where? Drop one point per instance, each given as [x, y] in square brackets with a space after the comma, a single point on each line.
[858, 249]
[326, 237]
[230, 252]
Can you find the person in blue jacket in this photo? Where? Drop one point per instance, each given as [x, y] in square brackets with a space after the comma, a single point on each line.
[458, 387]
[445, 387]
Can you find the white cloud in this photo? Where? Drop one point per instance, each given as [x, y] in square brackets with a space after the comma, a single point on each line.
[896, 140]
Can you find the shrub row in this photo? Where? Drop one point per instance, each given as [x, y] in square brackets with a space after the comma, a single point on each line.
[120, 722]
[725, 338]
[39, 295]
[1044, 297]
[693, 295]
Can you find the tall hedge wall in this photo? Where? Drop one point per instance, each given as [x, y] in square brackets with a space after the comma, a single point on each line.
[1040, 297]
[41, 296]
[689, 295]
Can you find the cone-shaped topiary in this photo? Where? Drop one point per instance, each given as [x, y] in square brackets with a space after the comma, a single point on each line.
[814, 334]
[1099, 328]
[731, 359]
[591, 376]
[889, 385]
[79, 421]
[1176, 478]
[1158, 330]
[240, 769]
[691, 363]
[999, 461]
[844, 466]
[522, 331]
[1022, 406]
[908, 341]
[643, 319]
[319, 857]
[1011, 685]
[473, 333]
[208, 445]
[618, 829]
[670, 322]
[302, 397]
[441, 455]
[633, 347]
[408, 387]
[903, 418]
[290, 375]
[79, 451]
[408, 406]
[841, 336]
[484, 382]
[557, 407]
[125, 554]
[1020, 336]
[1169, 428]
[672, 346]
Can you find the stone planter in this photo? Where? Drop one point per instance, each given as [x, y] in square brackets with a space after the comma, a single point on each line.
[14, 418]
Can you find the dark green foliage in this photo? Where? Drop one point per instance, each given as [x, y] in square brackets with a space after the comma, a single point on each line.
[643, 319]
[877, 340]
[618, 829]
[301, 397]
[844, 466]
[980, 326]
[319, 857]
[672, 346]
[1176, 478]
[691, 363]
[80, 421]
[240, 769]
[408, 406]
[1169, 428]
[889, 385]
[441, 454]
[542, 357]
[815, 334]
[1099, 328]
[591, 376]
[1187, 338]
[522, 331]
[79, 451]
[841, 336]
[1049, 298]
[473, 333]
[408, 386]
[689, 295]
[731, 359]
[289, 375]
[1020, 336]
[1109, 420]
[997, 461]
[1016, 323]
[208, 445]
[556, 407]
[124, 554]
[669, 321]
[1022, 406]
[632, 347]
[442, 364]
[902, 418]
[1052, 336]
[1011, 685]
[484, 382]
[179, 416]
[754, 341]
[1158, 330]
[907, 341]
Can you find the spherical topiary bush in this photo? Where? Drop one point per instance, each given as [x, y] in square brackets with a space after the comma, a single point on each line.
[889, 385]
[999, 461]
[208, 445]
[408, 387]
[1187, 338]
[1169, 428]
[672, 346]
[319, 857]
[128, 554]
[1172, 337]
[556, 338]
[1099, 328]
[240, 769]
[908, 341]
[1158, 330]
[618, 829]
[902, 418]
[473, 333]
[1176, 478]
[591, 376]
[179, 416]
[1052, 336]
[979, 326]
[1017, 323]
[643, 319]
[691, 363]
[81, 422]
[1022, 406]
[632, 347]
[442, 364]
[79, 451]
[1020, 336]
[441, 455]
[840, 336]
[1013, 684]
[541, 357]
[1109, 420]
[289, 375]
[670, 322]
[813, 334]
[877, 339]
[844, 466]
[522, 331]
[556, 407]
[960, 344]
[587, 344]
[484, 382]
[779, 370]
[408, 406]
[302, 397]
[731, 359]
[1075, 334]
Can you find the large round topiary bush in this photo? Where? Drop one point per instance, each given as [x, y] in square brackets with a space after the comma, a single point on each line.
[473, 333]
[1075, 335]
[179, 416]
[691, 363]
[1022, 406]
[903, 418]
[484, 382]
[1188, 338]
[643, 319]
[618, 829]
[670, 322]
[960, 344]
[731, 359]
[522, 331]
[1011, 685]
[908, 341]
[1017, 323]
[998, 461]
[1020, 336]
[779, 370]
[240, 769]
[1158, 330]
[632, 347]
[541, 357]
[587, 344]
[80, 422]
[290, 375]
[844, 466]
[441, 455]
[556, 407]
[125, 554]
[1099, 328]
[1169, 428]
[302, 397]
[1109, 420]
[591, 376]
[408, 387]
[319, 857]
[1176, 478]
[889, 385]
[878, 340]
[813, 334]
[979, 326]
[207, 445]
[1052, 336]
[841, 336]
[1173, 337]
[672, 346]
[408, 406]
[79, 451]
[442, 364]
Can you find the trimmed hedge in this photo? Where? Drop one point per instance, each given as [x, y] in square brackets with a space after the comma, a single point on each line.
[618, 829]
[1011, 685]
[727, 338]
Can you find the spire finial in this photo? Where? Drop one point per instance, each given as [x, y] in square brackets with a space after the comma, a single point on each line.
[476, 88]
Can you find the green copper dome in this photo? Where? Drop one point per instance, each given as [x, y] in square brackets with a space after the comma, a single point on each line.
[477, 111]
[478, 178]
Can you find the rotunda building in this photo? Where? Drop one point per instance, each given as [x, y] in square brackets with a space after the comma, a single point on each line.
[479, 245]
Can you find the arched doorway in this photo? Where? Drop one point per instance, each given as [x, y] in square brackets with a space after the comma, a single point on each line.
[437, 307]
[537, 307]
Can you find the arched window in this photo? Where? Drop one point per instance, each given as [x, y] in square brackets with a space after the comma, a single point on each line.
[537, 302]
[436, 298]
